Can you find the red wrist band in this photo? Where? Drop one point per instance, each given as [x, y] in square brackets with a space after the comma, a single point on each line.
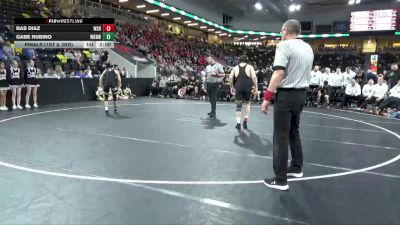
[268, 95]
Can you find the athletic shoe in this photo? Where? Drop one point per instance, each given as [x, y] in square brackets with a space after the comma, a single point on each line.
[4, 108]
[291, 172]
[212, 115]
[19, 107]
[14, 107]
[245, 125]
[238, 127]
[27, 106]
[35, 105]
[279, 185]
[115, 109]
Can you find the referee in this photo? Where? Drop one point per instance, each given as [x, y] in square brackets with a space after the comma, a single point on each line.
[214, 76]
[290, 80]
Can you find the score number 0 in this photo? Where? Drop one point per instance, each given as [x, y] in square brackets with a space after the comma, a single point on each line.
[108, 27]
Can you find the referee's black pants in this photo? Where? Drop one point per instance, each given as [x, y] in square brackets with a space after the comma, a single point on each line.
[288, 106]
[212, 91]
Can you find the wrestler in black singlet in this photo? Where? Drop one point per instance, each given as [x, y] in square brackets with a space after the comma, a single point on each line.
[110, 81]
[243, 85]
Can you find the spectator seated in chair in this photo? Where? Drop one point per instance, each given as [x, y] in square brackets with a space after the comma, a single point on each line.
[325, 93]
[58, 72]
[393, 101]
[352, 93]
[376, 96]
[121, 95]
[50, 74]
[367, 92]
[379, 92]
[393, 76]
[128, 92]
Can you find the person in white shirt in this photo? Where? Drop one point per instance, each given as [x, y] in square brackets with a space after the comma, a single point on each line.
[95, 57]
[50, 74]
[368, 89]
[68, 54]
[394, 99]
[315, 78]
[58, 72]
[347, 76]
[352, 92]
[367, 95]
[379, 91]
[336, 79]
[215, 74]
[88, 72]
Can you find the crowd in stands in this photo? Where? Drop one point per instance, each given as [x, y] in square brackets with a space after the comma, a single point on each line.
[168, 51]
[178, 54]
[379, 91]
[60, 63]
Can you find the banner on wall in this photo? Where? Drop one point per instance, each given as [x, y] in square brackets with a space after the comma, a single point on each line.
[374, 63]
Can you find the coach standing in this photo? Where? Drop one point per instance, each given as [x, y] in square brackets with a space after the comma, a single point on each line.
[214, 75]
[292, 66]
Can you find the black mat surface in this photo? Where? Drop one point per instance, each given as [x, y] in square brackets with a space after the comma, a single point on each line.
[163, 161]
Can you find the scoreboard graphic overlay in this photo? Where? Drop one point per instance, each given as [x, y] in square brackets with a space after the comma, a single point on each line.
[373, 20]
[64, 33]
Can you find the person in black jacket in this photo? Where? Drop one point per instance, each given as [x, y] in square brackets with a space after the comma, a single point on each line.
[325, 92]
[393, 76]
